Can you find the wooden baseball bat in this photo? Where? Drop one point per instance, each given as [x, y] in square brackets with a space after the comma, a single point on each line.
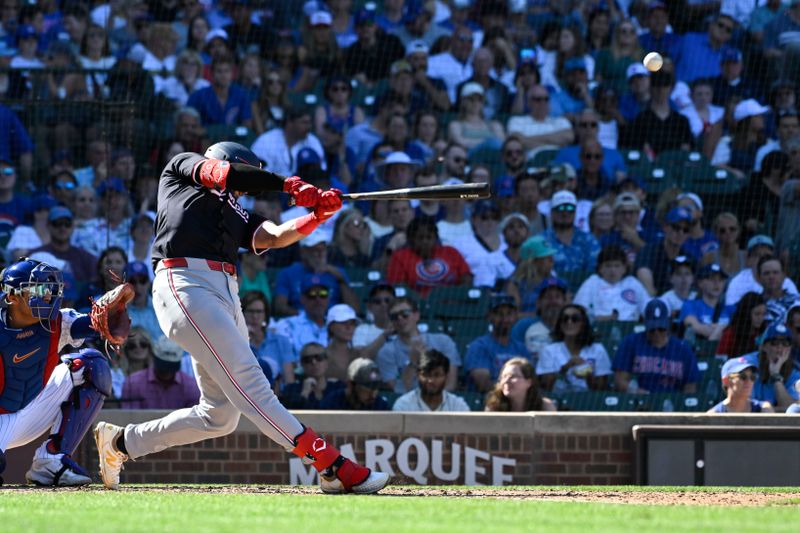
[467, 191]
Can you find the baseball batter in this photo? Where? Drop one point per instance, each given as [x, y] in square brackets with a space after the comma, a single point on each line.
[38, 389]
[199, 228]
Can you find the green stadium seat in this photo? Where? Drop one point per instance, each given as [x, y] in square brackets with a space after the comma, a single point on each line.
[475, 400]
[458, 302]
[389, 396]
[595, 401]
[488, 155]
[610, 333]
[542, 158]
[704, 348]
[574, 278]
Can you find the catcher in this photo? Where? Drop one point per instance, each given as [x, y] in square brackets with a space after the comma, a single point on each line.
[40, 389]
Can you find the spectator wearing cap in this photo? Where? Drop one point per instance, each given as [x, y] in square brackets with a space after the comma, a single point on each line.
[341, 321]
[637, 96]
[25, 238]
[372, 334]
[246, 35]
[699, 53]
[424, 263]
[453, 66]
[224, 102]
[361, 393]
[471, 129]
[681, 281]
[587, 124]
[26, 56]
[627, 231]
[418, 24]
[777, 377]
[307, 392]
[771, 275]
[731, 85]
[658, 35]
[652, 262]
[612, 293]
[313, 266]
[503, 262]
[113, 226]
[574, 95]
[280, 148]
[140, 309]
[702, 243]
[573, 362]
[426, 92]
[656, 360]
[746, 326]
[15, 145]
[308, 325]
[216, 43]
[82, 264]
[487, 354]
[535, 266]
[274, 351]
[612, 61]
[538, 130]
[704, 117]
[707, 315]
[737, 152]
[787, 127]
[739, 374]
[496, 95]
[576, 250]
[369, 58]
[162, 385]
[659, 127]
[430, 394]
[398, 359]
[746, 280]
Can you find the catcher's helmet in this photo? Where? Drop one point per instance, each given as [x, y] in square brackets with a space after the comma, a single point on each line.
[233, 152]
[43, 284]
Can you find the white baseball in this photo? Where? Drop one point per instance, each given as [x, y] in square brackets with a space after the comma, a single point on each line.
[653, 61]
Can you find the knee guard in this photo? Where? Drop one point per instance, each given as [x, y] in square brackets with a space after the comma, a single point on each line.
[315, 450]
[79, 411]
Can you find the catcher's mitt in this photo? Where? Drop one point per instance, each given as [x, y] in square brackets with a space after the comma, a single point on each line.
[110, 315]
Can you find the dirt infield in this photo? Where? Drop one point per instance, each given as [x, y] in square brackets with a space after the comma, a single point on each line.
[618, 496]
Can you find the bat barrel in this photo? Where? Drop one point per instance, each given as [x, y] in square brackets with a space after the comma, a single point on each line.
[466, 191]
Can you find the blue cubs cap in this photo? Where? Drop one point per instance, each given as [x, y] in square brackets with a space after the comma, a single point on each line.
[313, 280]
[43, 201]
[307, 156]
[736, 365]
[500, 299]
[59, 212]
[364, 16]
[136, 269]
[552, 282]
[730, 54]
[775, 331]
[710, 270]
[111, 184]
[678, 214]
[656, 315]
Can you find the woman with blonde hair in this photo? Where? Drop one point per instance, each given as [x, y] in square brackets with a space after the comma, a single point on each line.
[352, 241]
[730, 256]
[188, 78]
[517, 389]
[612, 62]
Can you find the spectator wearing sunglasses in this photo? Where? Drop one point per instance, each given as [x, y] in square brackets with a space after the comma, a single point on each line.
[82, 264]
[777, 377]
[308, 325]
[274, 351]
[738, 377]
[699, 53]
[399, 358]
[654, 360]
[314, 382]
[587, 124]
[63, 185]
[341, 321]
[576, 250]
[141, 307]
[538, 130]
[372, 334]
[162, 385]
[653, 262]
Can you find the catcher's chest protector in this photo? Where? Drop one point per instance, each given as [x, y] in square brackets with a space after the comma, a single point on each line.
[29, 356]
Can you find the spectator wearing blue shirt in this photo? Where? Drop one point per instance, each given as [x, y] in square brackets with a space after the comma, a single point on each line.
[637, 98]
[587, 124]
[702, 243]
[576, 250]
[657, 38]
[15, 143]
[575, 95]
[487, 354]
[707, 315]
[15, 209]
[224, 102]
[654, 358]
[309, 324]
[312, 267]
[699, 53]
[777, 378]
[730, 85]
[361, 391]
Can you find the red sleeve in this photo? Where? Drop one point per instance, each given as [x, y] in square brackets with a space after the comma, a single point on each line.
[725, 345]
[398, 267]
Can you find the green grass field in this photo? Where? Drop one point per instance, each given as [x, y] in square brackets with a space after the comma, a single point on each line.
[502, 509]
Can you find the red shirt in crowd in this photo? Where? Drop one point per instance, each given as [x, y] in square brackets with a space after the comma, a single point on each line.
[445, 267]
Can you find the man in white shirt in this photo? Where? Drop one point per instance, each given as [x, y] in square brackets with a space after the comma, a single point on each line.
[429, 395]
[745, 281]
[279, 147]
[539, 130]
[453, 66]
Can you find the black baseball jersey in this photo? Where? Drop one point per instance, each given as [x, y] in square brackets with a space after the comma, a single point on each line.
[195, 221]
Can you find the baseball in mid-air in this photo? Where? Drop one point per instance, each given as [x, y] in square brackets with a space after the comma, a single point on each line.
[653, 61]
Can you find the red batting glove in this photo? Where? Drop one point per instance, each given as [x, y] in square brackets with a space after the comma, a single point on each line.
[304, 194]
[329, 202]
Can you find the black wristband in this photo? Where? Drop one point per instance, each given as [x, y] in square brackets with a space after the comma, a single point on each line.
[247, 178]
[776, 378]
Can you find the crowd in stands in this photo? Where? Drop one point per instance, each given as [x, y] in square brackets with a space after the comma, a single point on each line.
[641, 240]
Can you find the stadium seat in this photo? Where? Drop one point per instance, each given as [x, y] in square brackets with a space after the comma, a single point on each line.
[595, 401]
[475, 400]
[542, 158]
[458, 302]
[610, 333]
[574, 278]
[489, 155]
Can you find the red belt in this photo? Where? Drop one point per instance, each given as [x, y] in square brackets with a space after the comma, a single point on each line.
[219, 266]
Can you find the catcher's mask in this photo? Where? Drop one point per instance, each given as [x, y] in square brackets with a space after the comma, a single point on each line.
[43, 285]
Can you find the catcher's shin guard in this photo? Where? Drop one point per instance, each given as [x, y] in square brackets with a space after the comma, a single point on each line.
[312, 447]
[86, 400]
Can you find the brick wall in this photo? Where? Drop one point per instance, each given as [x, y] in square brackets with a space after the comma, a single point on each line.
[546, 449]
